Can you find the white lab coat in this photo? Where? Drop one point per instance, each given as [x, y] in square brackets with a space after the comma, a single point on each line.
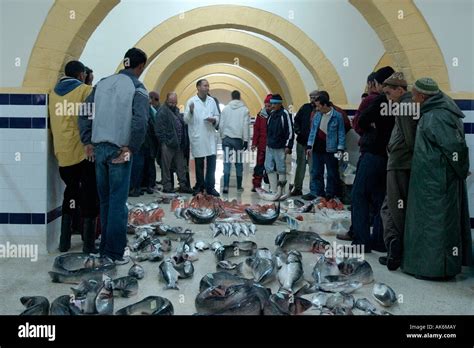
[202, 134]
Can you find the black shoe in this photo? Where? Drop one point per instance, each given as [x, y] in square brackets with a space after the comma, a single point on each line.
[186, 190]
[383, 260]
[134, 193]
[89, 236]
[296, 193]
[393, 256]
[344, 236]
[149, 191]
[254, 189]
[196, 191]
[436, 279]
[167, 191]
[213, 192]
[225, 191]
[308, 197]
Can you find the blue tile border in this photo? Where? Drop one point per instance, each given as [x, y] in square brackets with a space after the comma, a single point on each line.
[21, 99]
[30, 218]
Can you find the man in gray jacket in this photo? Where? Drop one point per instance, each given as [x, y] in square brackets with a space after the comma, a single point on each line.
[170, 131]
[400, 153]
[117, 131]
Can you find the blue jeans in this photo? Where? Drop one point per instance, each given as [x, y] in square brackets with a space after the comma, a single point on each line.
[368, 193]
[316, 184]
[275, 159]
[209, 181]
[113, 182]
[232, 146]
[138, 165]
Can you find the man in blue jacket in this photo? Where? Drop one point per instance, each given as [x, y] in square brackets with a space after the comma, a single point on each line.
[326, 142]
[280, 137]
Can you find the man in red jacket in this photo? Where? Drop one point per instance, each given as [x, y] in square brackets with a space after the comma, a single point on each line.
[259, 142]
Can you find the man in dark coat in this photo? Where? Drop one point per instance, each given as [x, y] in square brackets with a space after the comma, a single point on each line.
[437, 239]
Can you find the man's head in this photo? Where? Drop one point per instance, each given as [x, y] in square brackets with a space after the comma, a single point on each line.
[89, 76]
[76, 70]
[268, 106]
[395, 86]
[312, 97]
[276, 102]
[380, 76]
[172, 100]
[135, 59]
[371, 83]
[424, 89]
[154, 98]
[202, 87]
[235, 95]
[364, 95]
[322, 103]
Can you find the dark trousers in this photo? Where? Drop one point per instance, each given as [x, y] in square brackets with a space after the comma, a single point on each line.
[138, 164]
[259, 170]
[149, 172]
[394, 207]
[319, 161]
[369, 190]
[172, 160]
[81, 190]
[208, 182]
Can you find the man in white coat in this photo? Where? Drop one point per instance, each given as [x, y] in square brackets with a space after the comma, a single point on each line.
[234, 130]
[202, 117]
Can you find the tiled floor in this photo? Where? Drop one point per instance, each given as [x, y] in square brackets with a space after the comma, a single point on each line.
[20, 277]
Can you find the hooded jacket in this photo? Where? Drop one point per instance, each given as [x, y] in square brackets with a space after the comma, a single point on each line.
[235, 121]
[259, 139]
[280, 132]
[68, 94]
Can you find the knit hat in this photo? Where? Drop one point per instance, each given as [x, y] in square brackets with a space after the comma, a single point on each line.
[276, 99]
[396, 79]
[427, 86]
[383, 73]
[267, 98]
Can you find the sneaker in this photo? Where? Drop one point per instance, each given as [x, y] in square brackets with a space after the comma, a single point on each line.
[308, 197]
[225, 190]
[383, 260]
[393, 255]
[240, 189]
[123, 261]
[296, 192]
[213, 192]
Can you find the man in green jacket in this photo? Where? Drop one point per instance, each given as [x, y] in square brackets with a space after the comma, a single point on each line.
[437, 239]
[400, 152]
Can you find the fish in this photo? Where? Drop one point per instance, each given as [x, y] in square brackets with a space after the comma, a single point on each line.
[202, 216]
[77, 276]
[165, 244]
[151, 305]
[169, 274]
[95, 298]
[289, 304]
[338, 310]
[245, 230]
[125, 286]
[35, 305]
[104, 301]
[84, 287]
[384, 294]
[136, 271]
[319, 299]
[269, 196]
[201, 246]
[356, 269]
[346, 287]
[228, 266]
[216, 245]
[220, 279]
[216, 230]
[252, 228]
[246, 248]
[301, 241]
[267, 218]
[291, 272]
[365, 305]
[178, 234]
[263, 266]
[340, 299]
[237, 229]
[324, 267]
[64, 306]
[184, 269]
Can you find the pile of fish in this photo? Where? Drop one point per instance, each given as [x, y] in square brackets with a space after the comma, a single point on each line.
[141, 214]
[232, 229]
[74, 267]
[319, 203]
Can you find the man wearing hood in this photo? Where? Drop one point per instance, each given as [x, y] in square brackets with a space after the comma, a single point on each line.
[437, 240]
[234, 131]
[75, 160]
[259, 142]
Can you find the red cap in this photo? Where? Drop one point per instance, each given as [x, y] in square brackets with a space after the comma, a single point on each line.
[267, 98]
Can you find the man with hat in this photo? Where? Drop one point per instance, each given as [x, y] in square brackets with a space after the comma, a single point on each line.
[280, 137]
[368, 191]
[437, 240]
[259, 142]
[400, 152]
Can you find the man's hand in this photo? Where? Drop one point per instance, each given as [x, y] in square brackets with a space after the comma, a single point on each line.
[125, 156]
[191, 107]
[89, 150]
[211, 120]
[308, 153]
[287, 151]
[246, 146]
[253, 148]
